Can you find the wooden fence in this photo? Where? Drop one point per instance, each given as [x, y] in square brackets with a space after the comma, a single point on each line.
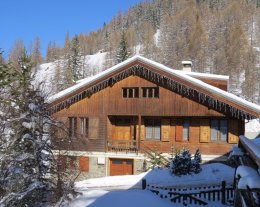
[200, 195]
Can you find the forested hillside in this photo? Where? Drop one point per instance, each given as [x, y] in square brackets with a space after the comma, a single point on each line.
[218, 36]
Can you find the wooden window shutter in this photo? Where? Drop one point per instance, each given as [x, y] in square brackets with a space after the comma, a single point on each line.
[173, 128]
[142, 134]
[233, 131]
[84, 164]
[93, 128]
[204, 130]
[179, 130]
[165, 124]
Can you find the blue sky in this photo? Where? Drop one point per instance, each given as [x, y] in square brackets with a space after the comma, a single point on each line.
[52, 19]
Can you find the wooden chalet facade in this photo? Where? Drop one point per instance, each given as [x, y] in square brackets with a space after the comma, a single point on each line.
[116, 116]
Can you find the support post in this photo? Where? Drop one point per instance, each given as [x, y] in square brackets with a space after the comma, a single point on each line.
[143, 184]
[139, 131]
[223, 192]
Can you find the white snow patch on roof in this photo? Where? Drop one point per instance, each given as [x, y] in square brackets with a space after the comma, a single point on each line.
[205, 75]
[252, 181]
[251, 145]
[252, 125]
[180, 74]
[243, 171]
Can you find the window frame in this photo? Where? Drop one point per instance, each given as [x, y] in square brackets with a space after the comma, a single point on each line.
[84, 126]
[185, 121]
[73, 125]
[153, 125]
[150, 92]
[130, 92]
[218, 127]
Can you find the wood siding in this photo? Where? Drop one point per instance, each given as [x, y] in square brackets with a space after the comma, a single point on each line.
[109, 102]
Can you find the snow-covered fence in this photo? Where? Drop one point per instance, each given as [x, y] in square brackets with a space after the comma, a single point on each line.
[200, 195]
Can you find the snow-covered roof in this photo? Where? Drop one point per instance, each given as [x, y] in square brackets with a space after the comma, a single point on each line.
[185, 76]
[253, 146]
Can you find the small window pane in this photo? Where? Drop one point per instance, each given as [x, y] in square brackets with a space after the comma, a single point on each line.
[130, 93]
[144, 92]
[75, 125]
[223, 130]
[214, 130]
[150, 92]
[118, 162]
[186, 125]
[149, 132]
[157, 132]
[124, 93]
[156, 92]
[136, 90]
[129, 162]
[70, 126]
[82, 125]
[86, 125]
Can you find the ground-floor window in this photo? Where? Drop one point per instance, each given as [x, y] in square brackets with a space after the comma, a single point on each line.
[218, 130]
[152, 129]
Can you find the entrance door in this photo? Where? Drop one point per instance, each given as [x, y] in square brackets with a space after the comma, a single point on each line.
[121, 167]
[122, 129]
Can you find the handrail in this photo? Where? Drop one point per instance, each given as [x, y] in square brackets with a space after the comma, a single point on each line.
[122, 145]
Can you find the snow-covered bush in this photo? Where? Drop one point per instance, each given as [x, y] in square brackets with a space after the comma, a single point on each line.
[183, 163]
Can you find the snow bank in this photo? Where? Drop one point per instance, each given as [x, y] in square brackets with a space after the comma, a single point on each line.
[129, 198]
[244, 171]
[210, 174]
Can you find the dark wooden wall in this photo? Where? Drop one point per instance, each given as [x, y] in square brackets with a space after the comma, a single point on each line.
[110, 102]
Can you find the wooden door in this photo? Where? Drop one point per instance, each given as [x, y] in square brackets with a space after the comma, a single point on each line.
[121, 167]
[122, 129]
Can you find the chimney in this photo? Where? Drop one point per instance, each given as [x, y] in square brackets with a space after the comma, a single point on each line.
[186, 65]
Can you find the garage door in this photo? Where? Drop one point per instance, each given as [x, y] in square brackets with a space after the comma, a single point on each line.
[121, 167]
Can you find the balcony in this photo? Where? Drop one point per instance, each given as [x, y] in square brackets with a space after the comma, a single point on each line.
[127, 146]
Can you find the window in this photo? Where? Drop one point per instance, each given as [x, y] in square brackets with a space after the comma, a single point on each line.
[84, 126]
[150, 92]
[214, 130]
[186, 126]
[223, 130]
[130, 92]
[152, 129]
[72, 126]
[218, 130]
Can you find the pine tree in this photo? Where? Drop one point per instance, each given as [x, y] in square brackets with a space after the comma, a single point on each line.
[196, 168]
[36, 54]
[122, 53]
[27, 167]
[183, 164]
[75, 59]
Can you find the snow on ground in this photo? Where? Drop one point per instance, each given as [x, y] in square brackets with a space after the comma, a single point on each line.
[95, 63]
[94, 195]
[211, 173]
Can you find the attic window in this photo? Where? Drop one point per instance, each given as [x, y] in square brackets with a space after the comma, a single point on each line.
[130, 92]
[150, 92]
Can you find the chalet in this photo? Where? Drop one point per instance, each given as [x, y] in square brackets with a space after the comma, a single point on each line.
[117, 116]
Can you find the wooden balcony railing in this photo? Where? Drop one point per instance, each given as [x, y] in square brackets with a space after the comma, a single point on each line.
[122, 146]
